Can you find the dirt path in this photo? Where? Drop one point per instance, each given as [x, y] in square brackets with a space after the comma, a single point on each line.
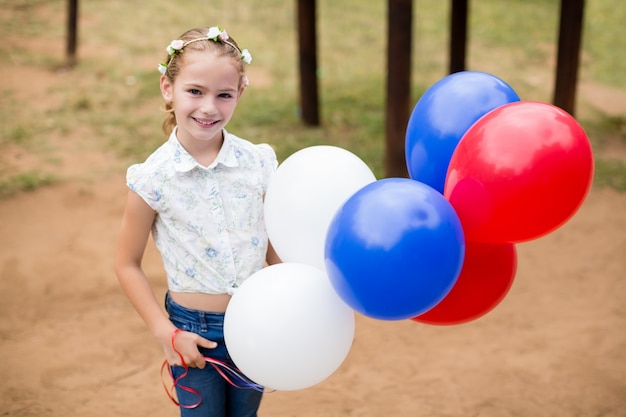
[72, 345]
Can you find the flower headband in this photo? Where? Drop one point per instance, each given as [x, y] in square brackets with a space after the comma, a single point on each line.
[215, 34]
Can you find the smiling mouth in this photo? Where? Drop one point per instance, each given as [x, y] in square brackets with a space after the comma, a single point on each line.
[206, 123]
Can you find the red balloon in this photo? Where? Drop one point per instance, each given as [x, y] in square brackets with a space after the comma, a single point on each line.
[519, 172]
[486, 277]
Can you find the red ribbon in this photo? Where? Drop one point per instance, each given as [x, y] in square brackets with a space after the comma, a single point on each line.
[227, 372]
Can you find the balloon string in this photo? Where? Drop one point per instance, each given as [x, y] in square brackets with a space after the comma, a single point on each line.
[176, 381]
[232, 375]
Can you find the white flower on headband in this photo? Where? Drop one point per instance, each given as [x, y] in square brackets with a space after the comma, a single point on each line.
[176, 46]
[246, 56]
[215, 32]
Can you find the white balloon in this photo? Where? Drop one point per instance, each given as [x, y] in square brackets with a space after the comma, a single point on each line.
[307, 190]
[286, 328]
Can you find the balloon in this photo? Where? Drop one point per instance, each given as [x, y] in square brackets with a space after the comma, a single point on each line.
[285, 327]
[394, 249]
[486, 277]
[519, 172]
[443, 114]
[306, 191]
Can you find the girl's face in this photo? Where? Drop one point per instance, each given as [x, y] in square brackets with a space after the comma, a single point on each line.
[204, 95]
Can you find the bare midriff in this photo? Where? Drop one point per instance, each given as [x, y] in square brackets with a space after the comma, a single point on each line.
[216, 303]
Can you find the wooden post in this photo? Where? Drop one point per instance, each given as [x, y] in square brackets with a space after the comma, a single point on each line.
[568, 55]
[72, 33]
[399, 33]
[458, 35]
[307, 55]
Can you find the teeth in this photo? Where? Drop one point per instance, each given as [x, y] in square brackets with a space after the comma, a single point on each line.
[205, 123]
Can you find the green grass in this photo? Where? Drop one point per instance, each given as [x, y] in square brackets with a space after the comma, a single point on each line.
[112, 95]
[26, 181]
[610, 173]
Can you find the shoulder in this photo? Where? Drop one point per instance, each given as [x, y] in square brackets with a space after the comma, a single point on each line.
[150, 178]
[157, 163]
[257, 153]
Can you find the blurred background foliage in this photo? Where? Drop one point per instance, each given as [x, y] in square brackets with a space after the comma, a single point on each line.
[110, 102]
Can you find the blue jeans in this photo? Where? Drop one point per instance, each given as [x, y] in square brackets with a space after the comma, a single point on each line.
[219, 397]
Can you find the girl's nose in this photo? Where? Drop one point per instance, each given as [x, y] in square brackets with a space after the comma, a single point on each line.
[208, 105]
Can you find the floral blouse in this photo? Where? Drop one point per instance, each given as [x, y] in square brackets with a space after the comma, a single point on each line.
[209, 225]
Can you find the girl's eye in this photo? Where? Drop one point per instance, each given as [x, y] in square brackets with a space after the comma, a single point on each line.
[194, 91]
[225, 95]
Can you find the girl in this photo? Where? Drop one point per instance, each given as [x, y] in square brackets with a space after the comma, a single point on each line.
[201, 196]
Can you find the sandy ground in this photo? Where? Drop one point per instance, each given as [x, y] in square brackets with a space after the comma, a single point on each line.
[71, 344]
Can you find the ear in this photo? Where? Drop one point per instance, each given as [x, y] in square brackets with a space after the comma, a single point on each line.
[167, 89]
[241, 90]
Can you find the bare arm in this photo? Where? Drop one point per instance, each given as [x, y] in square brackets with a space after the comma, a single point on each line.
[272, 257]
[135, 231]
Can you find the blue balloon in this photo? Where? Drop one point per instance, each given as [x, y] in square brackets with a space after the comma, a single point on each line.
[442, 116]
[394, 249]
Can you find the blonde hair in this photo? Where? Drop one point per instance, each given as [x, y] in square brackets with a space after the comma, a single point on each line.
[196, 40]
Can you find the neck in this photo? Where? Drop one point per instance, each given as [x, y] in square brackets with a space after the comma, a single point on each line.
[203, 151]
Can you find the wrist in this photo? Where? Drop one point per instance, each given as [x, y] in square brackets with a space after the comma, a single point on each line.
[164, 333]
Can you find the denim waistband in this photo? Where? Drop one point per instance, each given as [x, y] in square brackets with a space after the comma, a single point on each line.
[196, 318]
[209, 325]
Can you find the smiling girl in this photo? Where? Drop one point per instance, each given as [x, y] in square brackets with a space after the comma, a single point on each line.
[200, 194]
